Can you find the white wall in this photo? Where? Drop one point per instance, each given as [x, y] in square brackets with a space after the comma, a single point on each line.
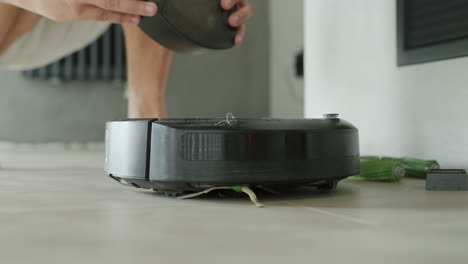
[351, 69]
[287, 38]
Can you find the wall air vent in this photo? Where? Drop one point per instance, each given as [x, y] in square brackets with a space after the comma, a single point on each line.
[431, 30]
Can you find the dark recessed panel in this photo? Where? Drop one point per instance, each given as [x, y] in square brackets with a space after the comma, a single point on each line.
[430, 30]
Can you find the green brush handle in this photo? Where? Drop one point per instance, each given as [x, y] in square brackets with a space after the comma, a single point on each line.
[416, 168]
[380, 170]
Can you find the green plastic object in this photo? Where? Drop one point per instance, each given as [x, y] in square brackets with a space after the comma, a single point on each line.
[380, 170]
[415, 168]
[237, 189]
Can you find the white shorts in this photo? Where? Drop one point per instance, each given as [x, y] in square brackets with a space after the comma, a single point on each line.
[49, 41]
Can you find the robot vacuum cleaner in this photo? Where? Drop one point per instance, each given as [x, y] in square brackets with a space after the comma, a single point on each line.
[182, 156]
[190, 25]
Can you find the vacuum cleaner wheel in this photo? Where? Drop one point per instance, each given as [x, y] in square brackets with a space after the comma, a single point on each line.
[177, 156]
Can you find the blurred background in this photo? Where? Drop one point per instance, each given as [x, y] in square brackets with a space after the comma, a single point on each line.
[260, 79]
[395, 69]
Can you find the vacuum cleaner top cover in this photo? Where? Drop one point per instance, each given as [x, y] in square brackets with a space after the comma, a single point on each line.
[190, 25]
[193, 154]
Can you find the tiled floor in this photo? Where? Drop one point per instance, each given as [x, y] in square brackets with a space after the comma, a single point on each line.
[57, 206]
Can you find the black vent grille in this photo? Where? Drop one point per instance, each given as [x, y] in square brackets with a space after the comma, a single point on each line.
[445, 171]
[102, 60]
[430, 30]
[243, 147]
[430, 22]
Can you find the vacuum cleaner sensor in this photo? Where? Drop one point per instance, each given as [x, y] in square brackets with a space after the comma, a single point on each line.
[187, 155]
[190, 25]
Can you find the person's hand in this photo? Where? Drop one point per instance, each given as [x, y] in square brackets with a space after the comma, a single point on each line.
[114, 11]
[240, 17]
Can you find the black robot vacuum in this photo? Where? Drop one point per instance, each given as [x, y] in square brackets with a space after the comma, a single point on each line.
[190, 25]
[181, 156]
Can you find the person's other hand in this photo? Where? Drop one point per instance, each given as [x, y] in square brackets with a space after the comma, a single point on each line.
[114, 11]
[240, 17]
